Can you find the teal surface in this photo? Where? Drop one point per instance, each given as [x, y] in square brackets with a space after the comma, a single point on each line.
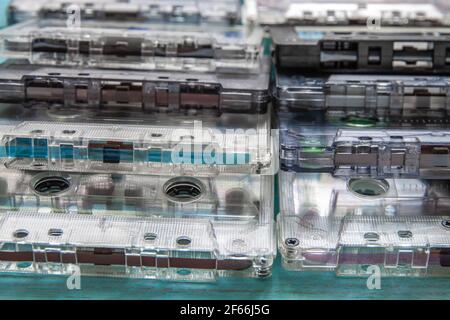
[283, 285]
[3, 6]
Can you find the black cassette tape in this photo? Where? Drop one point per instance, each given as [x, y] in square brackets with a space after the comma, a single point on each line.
[382, 51]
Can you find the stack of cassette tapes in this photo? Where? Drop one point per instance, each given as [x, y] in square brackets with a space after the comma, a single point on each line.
[363, 111]
[136, 143]
[136, 137]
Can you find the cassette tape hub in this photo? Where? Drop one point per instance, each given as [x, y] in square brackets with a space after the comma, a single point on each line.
[135, 46]
[363, 52]
[173, 11]
[141, 90]
[173, 228]
[335, 13]
[349, 225]
[355, 146]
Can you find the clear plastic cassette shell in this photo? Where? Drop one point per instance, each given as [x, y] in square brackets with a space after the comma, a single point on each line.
[33, 139]
[350, 226]
[364, 147]
[347, 12]
[171, 11]
[387, 50]
[368, 95]
[159, 91]
[135, 46]
[138, 227]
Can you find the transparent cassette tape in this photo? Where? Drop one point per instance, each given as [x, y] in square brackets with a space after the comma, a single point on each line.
[161, 91]
[354, 146]
[135, 46]
[401, 226]
[367, 95]
[72, 141]
[171, 11]
[347, 12]
[153, 227]
[386, 50]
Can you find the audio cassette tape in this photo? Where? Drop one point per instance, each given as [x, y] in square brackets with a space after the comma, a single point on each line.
[137, 149]
[153, 227]
[365, 147]
[138, 46]
[171, 11]
[160, 91]
[387, 50]
[366, 95]
[353, 225]
[347, 12]
[124, 141]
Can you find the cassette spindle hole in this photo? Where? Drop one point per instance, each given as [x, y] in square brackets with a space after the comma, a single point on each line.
[183, 190]
[20, 233]
[446, 224]
[368, 187]
[183, 241]
[51, 185]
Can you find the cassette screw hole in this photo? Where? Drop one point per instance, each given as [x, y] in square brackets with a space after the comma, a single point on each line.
[292, 242]
[20, 233]
[405, 234]
[55, 232]
[184, 241]
[446, 224]
[371, 236]
[150, 236]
